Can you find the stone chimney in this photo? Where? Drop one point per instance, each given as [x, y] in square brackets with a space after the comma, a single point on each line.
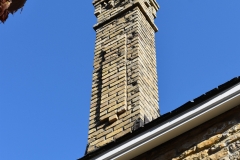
[124, 87]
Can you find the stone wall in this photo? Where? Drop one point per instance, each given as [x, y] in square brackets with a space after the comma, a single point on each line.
[217, 139]
[124, 87]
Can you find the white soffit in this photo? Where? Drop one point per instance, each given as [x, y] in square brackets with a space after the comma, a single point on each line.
[175, 126]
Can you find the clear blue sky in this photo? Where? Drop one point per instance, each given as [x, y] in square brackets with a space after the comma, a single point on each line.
[46, 57]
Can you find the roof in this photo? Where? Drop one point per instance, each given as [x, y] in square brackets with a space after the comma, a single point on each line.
[163, 118]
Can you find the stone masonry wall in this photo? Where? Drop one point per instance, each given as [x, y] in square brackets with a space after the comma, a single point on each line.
[217, 139]
[124, 87]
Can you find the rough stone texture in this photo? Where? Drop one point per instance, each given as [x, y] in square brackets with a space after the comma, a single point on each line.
[124, 87]
[217, 139]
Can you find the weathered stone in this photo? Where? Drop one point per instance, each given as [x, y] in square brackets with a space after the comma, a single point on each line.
[219, 155]
[113, 118]
[216, 139]
[209, 142]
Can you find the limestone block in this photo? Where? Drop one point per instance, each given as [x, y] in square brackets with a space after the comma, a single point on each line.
[209, 142]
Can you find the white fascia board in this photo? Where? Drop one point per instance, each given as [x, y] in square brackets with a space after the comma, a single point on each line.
[175, 126]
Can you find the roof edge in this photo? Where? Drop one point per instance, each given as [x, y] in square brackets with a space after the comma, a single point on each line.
[190, 114]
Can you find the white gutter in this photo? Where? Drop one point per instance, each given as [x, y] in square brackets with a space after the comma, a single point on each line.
[175, 126]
